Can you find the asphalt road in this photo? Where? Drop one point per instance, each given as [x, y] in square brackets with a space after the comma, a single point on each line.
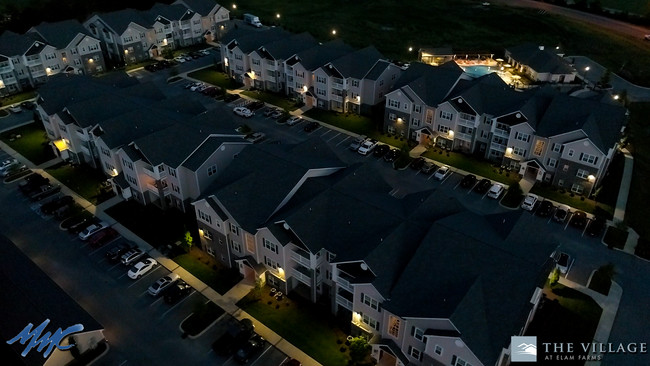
[601, 21]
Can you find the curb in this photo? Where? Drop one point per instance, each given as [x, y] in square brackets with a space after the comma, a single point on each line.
[108, 348]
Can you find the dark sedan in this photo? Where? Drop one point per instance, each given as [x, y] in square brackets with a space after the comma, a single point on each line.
[596, 226]
[254, 346]
[545, 209]
[579, 220]
[483, 186]
[176, 292]
[381, 150]
[468, 181]
[391, 155]
[115, 253]
[418, 163]
[311, 126]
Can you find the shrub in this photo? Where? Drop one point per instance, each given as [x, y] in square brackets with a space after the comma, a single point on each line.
[555, 277]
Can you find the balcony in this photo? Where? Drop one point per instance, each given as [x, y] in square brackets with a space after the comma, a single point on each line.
[150, 173]
[466, 123]
[298, 273]
[337, 86]
[38, 73]
[463, 136]
[501, 133]
[82, 136]
[7, 68]
[498, 147]
[302, 257]
[34, 62]
[344, 283]
[338, 98]
[344, 302]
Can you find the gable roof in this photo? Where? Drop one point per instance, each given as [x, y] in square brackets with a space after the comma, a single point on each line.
[286, 47]
[203, 7]
[170, 12]
[60, 34]
[120, 20]
[207, 148]
[317, 56]
[248, 39]
[539, 59]
[488, 94]
[431, 83]
[14, 44]
[356, 64]
[376, 71]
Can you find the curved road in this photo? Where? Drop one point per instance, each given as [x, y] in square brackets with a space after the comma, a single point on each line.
[604, 22]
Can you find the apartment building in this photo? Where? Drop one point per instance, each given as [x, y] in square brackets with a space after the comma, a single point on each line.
[333, 233]
[132, 36]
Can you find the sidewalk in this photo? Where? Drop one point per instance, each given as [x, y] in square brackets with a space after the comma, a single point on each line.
[608, 303]
[227, 301]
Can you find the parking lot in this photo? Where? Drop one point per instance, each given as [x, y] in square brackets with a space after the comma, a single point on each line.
[140, 328]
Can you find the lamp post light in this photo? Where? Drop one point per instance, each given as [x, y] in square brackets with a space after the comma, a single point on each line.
[586, 71]
[234, 6]
[277, 15]
[334, 32]
[410, 49]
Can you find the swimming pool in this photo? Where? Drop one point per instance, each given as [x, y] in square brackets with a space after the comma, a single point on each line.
[479, 70]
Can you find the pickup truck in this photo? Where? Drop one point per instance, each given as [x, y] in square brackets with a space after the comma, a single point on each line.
[32, 182]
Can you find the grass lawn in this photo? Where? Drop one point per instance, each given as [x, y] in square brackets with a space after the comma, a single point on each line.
[33, 143]
[350, 121]
[586, 205]
[277, 100]
[203, 267]
[638, 210]
[17, 98]
[212, 76]
[567, 315]
[472, 165]
[201, 318]
[155, 226]
[465, 25]
[83, 179]
[615, 237]
[300, 322]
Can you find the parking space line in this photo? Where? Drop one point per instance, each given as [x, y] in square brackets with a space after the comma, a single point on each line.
[326, 132]
[448, 175]
[101, 260]
[332, 138]
[262, 354]
[178, 303]
[210, 351]
[159, 299]
[123, 274]
[144, 292]
[123, 362]
[347, 137]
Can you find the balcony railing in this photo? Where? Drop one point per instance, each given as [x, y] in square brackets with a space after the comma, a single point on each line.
[464, 136]
[6, 68]
[338, 98]
[466, 122]
[344, 284]
[344, 302]
[298, 257]
[501, 133]
[498, 147]
[338, 86]
[295, 273]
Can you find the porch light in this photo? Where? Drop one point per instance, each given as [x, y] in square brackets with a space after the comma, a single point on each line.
[591, 178]
[201, 232]
[508, 150]
[126, 52]
[587, 68]
[114, 172]
[48, 70]
[399, 120]
[234, 6]
[304, 88]
[356, 317]
[358, 98]
[615, 96]
[451, 133]
[90, 60]
[410, 49]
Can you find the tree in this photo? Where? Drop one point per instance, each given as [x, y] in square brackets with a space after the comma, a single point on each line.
[555, 277]
[257, 290]
[605, 79]
[359, 351]
[607, 271]
[188, 241]
[167, 53]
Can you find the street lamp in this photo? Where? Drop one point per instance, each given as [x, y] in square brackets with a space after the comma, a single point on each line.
[234, 6]
[333, 31]
[410, 49]
[277, 15]
[586, 71]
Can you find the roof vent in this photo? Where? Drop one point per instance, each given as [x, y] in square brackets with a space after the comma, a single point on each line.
[330, 66]
[235, 193]
[460, 100]
[285, 226]
[364, 266]
[518, 115]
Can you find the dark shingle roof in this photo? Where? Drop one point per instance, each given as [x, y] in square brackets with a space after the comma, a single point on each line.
[287, 47]
[128, 127]
[27, 295]
[249, 40]
[488, 94]
[431, 83]
[119, 20]
[541, 61]
[14, 44]
[602, 122]
[318, 56]
[170, 145]
[169, 12]
[358, 63]
[60, 34]
[207, 148]
[202, 7]
[377, 70]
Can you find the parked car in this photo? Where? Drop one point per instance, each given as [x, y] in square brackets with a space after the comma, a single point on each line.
[131, 256]
[529, 202]
[90, 230]
[545, 209]
[294, 120]
[417, 163]
[141, 268]
[235, 335]
[210, 91]
[50, 207]
[32, 181]
[381, 150]
[391, 155]
[311, 126]
[367, 147]
[269, 111]
[596, 226]
[197, 86]
[496, 190]
[563, 262]
[468, 181]
[103, 237]
[483, 186]
[76, 224]
[28, 105]
[442, 172]
[243, 112]
[44, 191]
[7, 165]
[163, 282]
[15, 108]
[117, 251]
[277, 114]
[255, 137]
[12, 170]
[428, 167]
[561, 213]
[579, 220]
[251, 348]
[356, 144]
[205, 52]
[176, 292]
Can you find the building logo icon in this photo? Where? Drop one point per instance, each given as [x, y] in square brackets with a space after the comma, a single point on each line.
[523, 349]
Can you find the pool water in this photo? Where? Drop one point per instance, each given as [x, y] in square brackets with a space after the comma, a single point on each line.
[479, 70]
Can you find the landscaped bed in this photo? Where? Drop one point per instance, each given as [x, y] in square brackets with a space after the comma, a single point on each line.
[615, 237]
[84, 180]
[472, 165]
[278, 100]
[202, 317]
[212, 75]
[303, 324]
[206, 269]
